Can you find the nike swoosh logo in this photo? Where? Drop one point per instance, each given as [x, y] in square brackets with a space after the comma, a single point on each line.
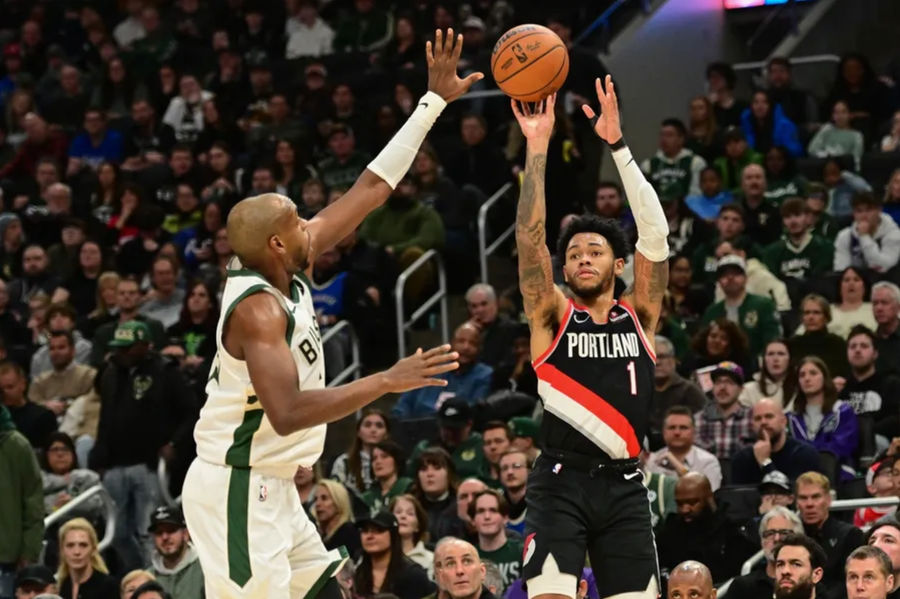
[425, 104]
[632, 475]
[583, 320]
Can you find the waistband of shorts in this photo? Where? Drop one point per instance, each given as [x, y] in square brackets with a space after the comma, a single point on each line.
[589, 464]
[285, 471]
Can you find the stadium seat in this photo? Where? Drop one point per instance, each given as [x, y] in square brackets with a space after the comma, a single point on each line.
[877, 168]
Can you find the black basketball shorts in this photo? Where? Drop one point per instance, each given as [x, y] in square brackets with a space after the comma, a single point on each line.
[601, 512]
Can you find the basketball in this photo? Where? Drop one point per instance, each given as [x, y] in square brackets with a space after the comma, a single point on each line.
[529, 62]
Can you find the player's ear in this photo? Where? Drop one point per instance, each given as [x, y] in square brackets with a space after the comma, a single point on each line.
[276, 244]
[619, 266]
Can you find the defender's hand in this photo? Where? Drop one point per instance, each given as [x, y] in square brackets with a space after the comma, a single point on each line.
[419, 369]
[607, 126]
[536, 124]
[442, 59]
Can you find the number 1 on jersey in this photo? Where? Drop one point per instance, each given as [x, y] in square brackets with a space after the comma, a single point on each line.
[632, 377]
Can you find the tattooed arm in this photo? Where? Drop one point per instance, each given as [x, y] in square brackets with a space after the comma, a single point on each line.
[540, 296]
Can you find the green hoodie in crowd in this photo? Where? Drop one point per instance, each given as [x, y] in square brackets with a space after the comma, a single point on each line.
[21, 496]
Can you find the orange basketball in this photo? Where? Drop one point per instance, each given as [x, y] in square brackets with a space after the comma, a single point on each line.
[529, 62]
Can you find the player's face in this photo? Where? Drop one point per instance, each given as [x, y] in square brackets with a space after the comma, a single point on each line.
[887, 538]
[407, 521]
[383, 465]
[372, 429]
[496, 443]
[678, 432]
[812, 503]
[375, 540]
[297, 243]
[591, 267]
[488, 519]
[169, 539]
[866, 580]
[860, 352]
[433, 480]
[77, 549]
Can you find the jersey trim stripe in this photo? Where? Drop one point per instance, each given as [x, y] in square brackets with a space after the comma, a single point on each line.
[238, 455]
[587, 412]
[247, 293]
[239, 569]
[640, 330]
[559, 334]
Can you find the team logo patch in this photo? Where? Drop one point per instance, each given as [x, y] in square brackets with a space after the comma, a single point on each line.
[141, 385]
[750, 319]
[263, 492]
[529, 549]
[467, 455]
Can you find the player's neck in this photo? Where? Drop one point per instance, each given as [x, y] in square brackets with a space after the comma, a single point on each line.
[492, 542]
[597, 305]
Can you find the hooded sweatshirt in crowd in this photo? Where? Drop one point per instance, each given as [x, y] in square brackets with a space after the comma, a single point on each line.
[185, 580]
[879, 251]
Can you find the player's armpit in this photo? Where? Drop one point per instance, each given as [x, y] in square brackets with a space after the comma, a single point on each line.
[646, 293]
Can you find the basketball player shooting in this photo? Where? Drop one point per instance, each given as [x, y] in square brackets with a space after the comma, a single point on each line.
[267, 403]
[595, 364]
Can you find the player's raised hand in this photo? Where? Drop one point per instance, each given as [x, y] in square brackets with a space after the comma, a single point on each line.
[421, 368]
[443, 57]
[536, 120]
[608, 126]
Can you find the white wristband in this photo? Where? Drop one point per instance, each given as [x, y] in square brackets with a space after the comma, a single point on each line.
[651, 221]
[394, 160]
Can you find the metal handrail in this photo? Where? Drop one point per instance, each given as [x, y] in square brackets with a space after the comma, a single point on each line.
[438, 296]
[604, 19]
[162, 473]
[798, 60]
[483, 249]
[109, 509]
[356, 365]
[838, 505]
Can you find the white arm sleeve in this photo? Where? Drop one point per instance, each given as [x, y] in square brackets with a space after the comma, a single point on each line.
[651, 221]
[398, 155]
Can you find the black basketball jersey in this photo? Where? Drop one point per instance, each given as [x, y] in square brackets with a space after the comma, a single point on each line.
[596, 382]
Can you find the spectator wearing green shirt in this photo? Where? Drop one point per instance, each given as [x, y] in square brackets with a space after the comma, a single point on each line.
[818, 219]
[674, 170]
[489, 512]
[387, 462]
[782, 179]
[465, 447]
[365, 29]
[737, 155]
[754, 314]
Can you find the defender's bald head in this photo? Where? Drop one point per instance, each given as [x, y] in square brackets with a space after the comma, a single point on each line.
[253, 221]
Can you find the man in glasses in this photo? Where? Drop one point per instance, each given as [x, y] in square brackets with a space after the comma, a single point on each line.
[777, 523]
[514, 469]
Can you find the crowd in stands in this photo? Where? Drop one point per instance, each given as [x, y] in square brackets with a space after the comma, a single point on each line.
[128, 131]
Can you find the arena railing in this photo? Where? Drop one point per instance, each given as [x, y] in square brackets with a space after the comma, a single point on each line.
[485, 250]
[838, 505]
[355, 366]
[65, 513]
[795, 61]
[439, 296]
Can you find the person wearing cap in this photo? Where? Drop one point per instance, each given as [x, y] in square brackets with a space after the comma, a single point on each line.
[760, 281]
[774, 450]
[35, 580]
[680, 455]
[723, 426]
[455, 418]
[737, 156]
[524, 436]
[128, 303]
[21, 503]
[147, 413]
[674, 169]
[761, 218]
[801, 253]
[774, 526]
[756, 315]
[174, 562]
[471, 382]
[885, 534]
[872, 240]
[383, 568]
[344, 161]
[775, 490]
[308, 35]
[879, 483]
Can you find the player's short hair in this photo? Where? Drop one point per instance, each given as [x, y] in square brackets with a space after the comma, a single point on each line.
[817, 556]
[676, 124]
[873, 552]
[793, 206]
[493, 424]
[679, 411]
[502, 504]
[589, 223]
[814, 478]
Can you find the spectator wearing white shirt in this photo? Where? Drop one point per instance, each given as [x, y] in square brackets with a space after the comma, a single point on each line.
[872, 241]
[308, 35]
[130, 29]
[680, 455]
[185, 111]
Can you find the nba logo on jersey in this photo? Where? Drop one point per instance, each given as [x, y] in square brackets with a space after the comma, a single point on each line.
[263, 492]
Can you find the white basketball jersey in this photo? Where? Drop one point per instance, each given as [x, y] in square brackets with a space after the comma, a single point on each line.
[233, 430]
